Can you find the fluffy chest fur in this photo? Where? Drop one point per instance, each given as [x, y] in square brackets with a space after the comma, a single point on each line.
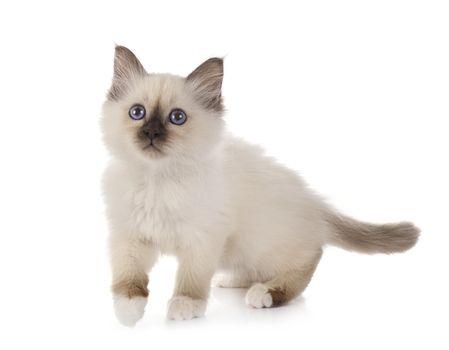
[173, 210]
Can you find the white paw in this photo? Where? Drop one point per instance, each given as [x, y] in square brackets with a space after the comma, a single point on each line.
[185, 308]
[129, 311]
[258, 296]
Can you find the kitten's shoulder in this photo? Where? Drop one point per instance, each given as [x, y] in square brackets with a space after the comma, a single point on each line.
[236, 147]
[245, 155]
[248, 160]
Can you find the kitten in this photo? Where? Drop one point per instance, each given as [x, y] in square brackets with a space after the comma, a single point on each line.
[179, 185]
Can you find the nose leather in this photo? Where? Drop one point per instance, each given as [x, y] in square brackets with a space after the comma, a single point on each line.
[153, 129]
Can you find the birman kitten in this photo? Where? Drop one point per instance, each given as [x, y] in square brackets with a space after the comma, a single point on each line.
[178, 184]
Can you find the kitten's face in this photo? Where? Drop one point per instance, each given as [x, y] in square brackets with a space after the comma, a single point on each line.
[161, 116]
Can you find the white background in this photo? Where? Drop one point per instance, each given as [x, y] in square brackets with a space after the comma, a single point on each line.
[352, 94]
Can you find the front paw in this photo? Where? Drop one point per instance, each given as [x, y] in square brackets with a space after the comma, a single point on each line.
[129, 310]
[185, 308]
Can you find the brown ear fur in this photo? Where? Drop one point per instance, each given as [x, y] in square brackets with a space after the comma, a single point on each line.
[206, 81]
[126, 68]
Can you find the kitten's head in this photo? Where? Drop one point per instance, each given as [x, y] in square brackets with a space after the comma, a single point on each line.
[161, 116]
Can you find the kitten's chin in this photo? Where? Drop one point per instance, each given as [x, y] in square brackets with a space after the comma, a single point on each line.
[152, 152]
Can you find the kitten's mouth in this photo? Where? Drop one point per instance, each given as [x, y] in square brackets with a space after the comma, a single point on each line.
[151, 145]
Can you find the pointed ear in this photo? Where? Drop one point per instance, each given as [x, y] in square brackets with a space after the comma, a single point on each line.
[206, 81]
[126, 68]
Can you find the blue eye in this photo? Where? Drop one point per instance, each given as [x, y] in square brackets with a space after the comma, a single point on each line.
[178, 117]
[137, 112]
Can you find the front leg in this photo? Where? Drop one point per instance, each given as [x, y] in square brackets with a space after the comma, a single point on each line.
[195, 271]
[131, 259]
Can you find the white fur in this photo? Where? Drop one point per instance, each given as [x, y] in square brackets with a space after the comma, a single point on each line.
[258, 296]
[212, 197]
[240, 198]
[185, 308]
[231, 280]
[129, 311]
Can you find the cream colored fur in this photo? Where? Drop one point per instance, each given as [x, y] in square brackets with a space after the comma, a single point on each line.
[212, 200]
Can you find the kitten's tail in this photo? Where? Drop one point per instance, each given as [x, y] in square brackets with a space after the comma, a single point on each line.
[369, 238]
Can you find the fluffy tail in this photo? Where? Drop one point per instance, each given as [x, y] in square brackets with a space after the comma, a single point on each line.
[369, 238]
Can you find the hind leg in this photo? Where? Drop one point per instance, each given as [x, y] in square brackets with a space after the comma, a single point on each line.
[284, 287]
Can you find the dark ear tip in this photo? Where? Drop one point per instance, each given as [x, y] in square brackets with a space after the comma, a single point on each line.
[120, 48]
[216, 60]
